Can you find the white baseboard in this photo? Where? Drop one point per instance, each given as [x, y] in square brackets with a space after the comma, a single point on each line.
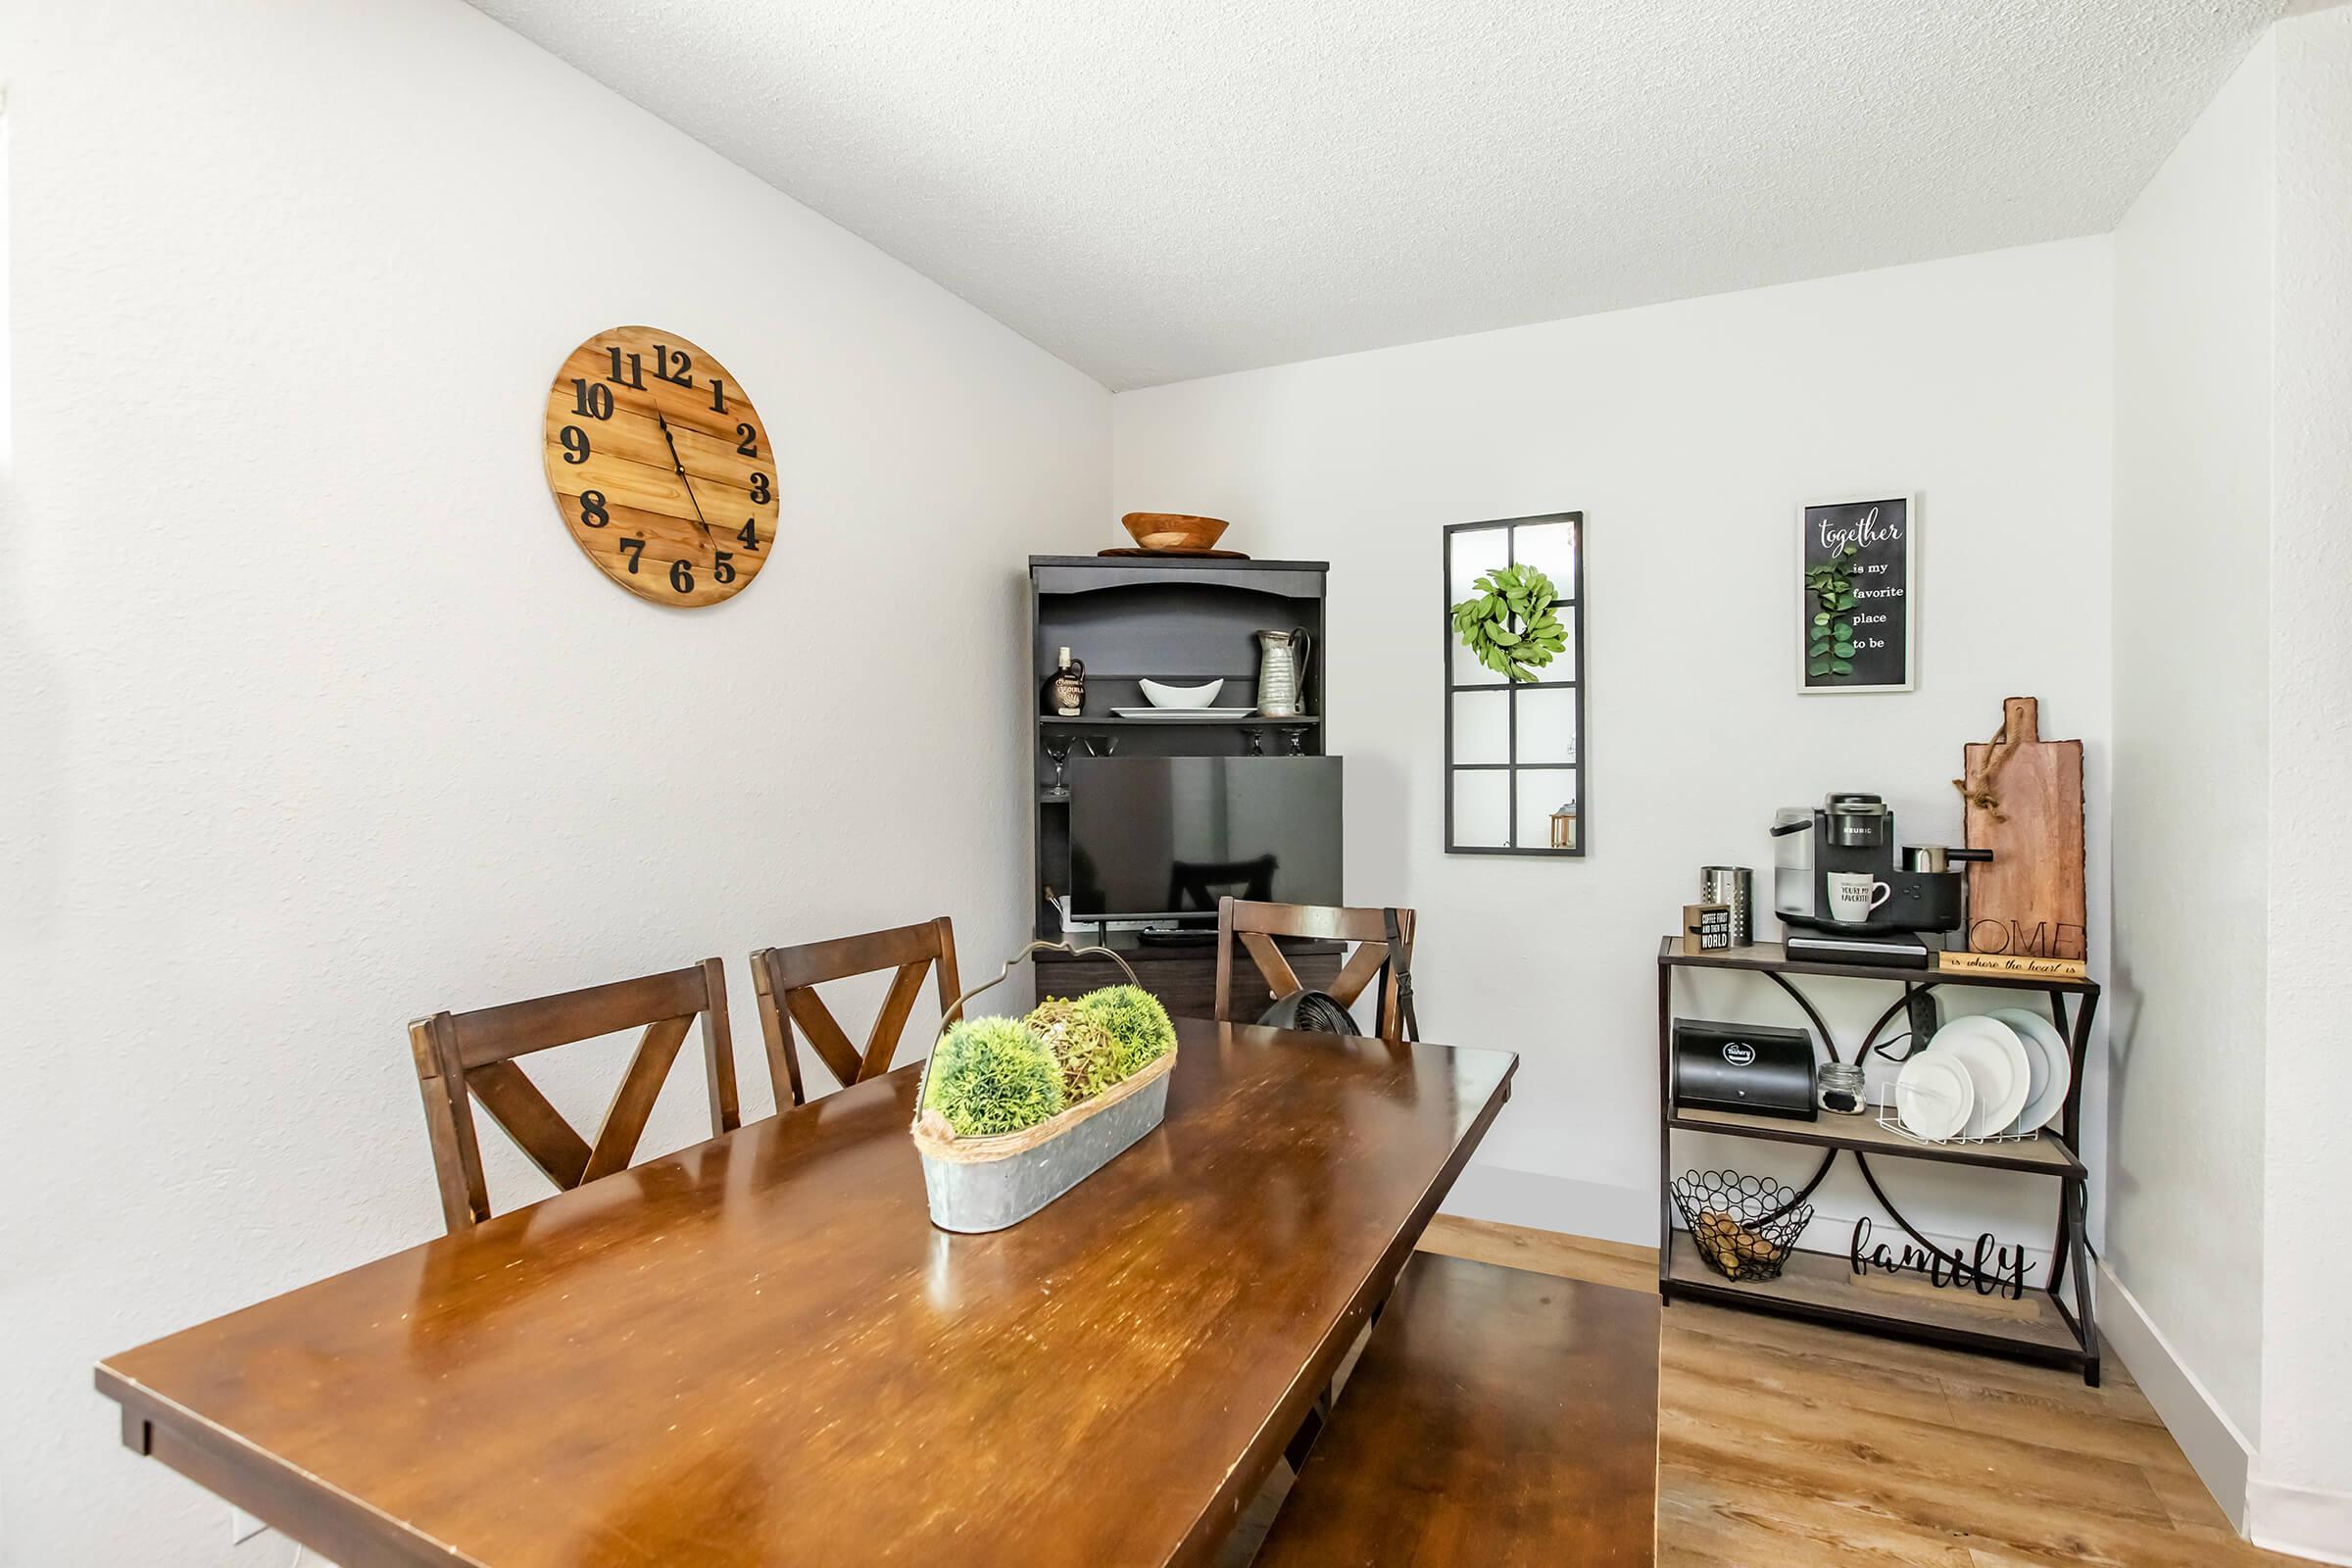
[1543, 1202]
[2299, 1520]
[2216, 1448]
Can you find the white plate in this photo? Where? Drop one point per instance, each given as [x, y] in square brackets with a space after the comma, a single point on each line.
[1934, 1095]
[1997, 1064]
[2052, 1067]
[1164, 713]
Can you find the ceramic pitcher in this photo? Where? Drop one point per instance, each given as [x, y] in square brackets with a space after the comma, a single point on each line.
[1282, 673]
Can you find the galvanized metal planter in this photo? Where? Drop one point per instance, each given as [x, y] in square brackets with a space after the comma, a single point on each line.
[973, 1188]
[985, 1184]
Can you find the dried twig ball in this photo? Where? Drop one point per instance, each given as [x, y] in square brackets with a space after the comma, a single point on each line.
[1088, 1056]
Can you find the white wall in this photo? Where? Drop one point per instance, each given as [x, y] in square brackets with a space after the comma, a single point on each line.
[1688, 433]
[2234, 397]
[316, 721]
[315, 718]
[2192, 505]
[2301, 1496]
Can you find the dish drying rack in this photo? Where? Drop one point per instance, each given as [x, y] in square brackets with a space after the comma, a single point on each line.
[1890, 1119]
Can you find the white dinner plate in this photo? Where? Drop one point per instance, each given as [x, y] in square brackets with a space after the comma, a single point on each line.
[2053, 1067]
[1164, 715]
[1934, 1095]
[1996, 1064]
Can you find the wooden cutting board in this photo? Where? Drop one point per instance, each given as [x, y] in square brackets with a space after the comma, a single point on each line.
[2025, 804]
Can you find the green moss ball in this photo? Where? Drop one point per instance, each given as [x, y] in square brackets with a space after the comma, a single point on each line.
[1137, 1024]
[992, 1076]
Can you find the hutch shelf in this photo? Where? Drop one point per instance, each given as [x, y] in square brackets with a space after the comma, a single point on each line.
[1182, 620]
[2043, 1327]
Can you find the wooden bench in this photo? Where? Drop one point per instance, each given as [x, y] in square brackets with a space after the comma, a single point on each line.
[1497, 1418]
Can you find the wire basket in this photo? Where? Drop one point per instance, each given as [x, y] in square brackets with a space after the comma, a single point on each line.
[1743, 1226]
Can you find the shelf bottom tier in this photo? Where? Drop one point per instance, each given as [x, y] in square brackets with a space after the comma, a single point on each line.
[1824, 1288]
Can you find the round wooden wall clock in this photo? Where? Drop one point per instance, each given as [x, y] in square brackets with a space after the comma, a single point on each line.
[661, 468]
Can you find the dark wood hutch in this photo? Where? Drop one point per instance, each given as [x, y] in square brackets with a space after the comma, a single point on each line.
[1181, 619]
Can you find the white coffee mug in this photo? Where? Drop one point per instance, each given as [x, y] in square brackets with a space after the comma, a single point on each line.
[1854, 894]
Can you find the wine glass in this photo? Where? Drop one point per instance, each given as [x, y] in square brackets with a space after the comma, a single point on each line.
[1057, 747]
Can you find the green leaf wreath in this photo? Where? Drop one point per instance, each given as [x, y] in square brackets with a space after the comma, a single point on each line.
[1830, 649]
[1508, 624]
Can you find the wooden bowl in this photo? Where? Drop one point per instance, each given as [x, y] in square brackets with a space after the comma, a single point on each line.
[1174, 530]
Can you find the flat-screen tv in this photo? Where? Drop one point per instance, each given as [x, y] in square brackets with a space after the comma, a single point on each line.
[1162, 838]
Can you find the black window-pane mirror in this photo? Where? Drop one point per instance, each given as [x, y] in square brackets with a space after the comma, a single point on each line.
[1515, 752]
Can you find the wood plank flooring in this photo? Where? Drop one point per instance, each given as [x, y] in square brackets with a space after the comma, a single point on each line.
[1789, 1446]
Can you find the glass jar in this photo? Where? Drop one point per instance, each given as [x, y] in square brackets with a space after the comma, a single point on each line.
[1837, 1088]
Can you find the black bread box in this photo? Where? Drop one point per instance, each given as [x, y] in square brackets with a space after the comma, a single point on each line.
[1738, 1066]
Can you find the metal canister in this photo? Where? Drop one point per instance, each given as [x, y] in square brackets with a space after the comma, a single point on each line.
[1734, 886]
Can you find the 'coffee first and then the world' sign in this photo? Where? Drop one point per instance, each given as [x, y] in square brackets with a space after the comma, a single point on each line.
[1856, 632]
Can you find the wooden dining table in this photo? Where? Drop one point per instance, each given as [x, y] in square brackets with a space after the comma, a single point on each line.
[758, 1350]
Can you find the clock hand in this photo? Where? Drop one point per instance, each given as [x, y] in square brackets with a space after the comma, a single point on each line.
[682, 479]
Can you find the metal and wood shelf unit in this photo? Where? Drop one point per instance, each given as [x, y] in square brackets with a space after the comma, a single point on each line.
[1819, 1287]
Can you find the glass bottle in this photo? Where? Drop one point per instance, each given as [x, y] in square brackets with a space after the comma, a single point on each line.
[1065, 692]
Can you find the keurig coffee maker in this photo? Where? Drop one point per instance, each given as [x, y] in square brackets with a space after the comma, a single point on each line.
[1852, 834]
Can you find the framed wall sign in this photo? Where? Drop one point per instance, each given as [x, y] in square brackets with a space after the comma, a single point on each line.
[1857, 587]
[1515, 752]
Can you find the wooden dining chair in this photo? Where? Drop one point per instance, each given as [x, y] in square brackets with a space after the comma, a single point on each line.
[464, 1057]
[787, 979]
[1255, 926]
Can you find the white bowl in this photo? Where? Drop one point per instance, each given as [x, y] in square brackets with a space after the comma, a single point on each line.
[1164, 696]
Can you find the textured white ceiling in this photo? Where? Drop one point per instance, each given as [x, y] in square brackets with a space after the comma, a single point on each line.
[1159, 191]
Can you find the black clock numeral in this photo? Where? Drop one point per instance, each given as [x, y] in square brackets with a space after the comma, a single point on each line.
[681, 576]
[718, 396]
[682, 374]
[746, 440]
[595, 401]
[760, 492]
[634, 549]
[636, 375]
[749, 534]
[722, 565]
[575, 444]
[591, 510]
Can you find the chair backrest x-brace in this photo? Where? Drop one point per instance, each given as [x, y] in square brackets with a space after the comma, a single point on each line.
[465, 1056]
